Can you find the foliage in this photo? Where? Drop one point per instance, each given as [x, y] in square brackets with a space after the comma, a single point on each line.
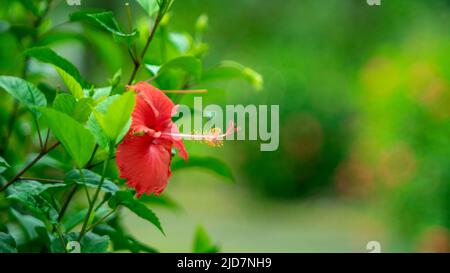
[76, 126]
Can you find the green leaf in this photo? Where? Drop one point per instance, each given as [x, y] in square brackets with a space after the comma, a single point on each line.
[77, 140]
[233, 70]
[79, 110]
[56, 37]
[90, 243]
[83, 109]
[25, 92]
[74, 219]
[202, 23]
[3, 163]
[30, 194]
[116, 119]
[104, 19]
[65, 103]
[202, 242]
[121, 241]
[93, 243]
[31, 6]
[92, 180]
[71, 83]
[188, 64]
[126, 199]
[209, 163]
[181, 41]
[35, 229]
[67, 71]
[7, 243]
[153, 69]
[150, 6]
[93, 125]
[101, 93]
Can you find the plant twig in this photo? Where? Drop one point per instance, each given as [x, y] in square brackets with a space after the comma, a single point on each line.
[38, 129]
[28, 166]
[98, 163]
[45, 180]
[66, 203]
[85, 187]
[46, 139]
[101, 220]
[91, 206]
[93, 155]
[138, 62]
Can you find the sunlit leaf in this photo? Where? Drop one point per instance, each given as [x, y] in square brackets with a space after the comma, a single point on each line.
[77, 140]
[65, 103]
[150, 6]
[116, 118]
[68, 72]
[93, 125]
[72, 85]
[101, 93]
[79, 110]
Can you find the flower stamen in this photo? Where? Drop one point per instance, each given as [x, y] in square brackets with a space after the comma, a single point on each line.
[213, 138]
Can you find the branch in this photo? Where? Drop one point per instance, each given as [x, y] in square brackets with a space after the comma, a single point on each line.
[44, 180]
[31, 164]
[138, 62]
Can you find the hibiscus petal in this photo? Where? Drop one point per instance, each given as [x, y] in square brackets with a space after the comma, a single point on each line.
[145, 164]
[153, 108]
[177, 142]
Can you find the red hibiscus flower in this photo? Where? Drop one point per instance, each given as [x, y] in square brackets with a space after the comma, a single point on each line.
[145, 154]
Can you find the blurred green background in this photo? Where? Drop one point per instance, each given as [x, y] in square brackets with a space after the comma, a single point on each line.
[364, 149]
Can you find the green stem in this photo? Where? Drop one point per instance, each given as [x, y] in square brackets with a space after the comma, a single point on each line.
[46, 139]
[91, 206]
[66, 203]
[38, 129]
[45, 180]
[60, 236]
[101, 220]
[93, 165]
[85, 186]
[138, 62]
